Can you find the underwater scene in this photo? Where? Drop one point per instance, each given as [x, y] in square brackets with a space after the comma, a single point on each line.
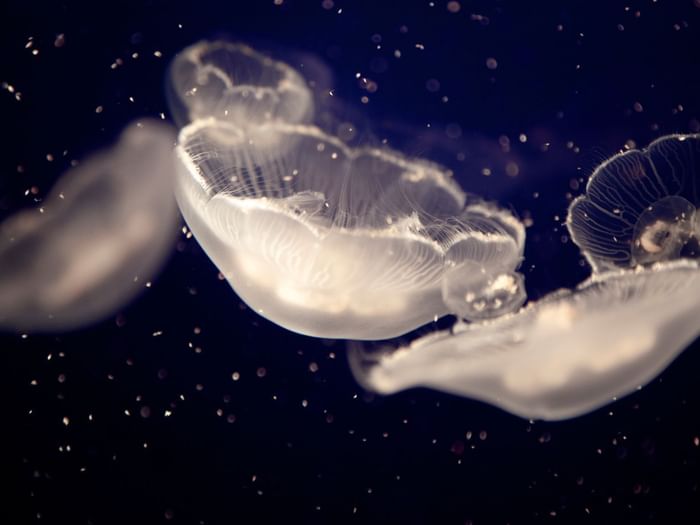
[337, 261]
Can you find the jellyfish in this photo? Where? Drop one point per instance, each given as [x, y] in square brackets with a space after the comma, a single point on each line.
[338, 242]
[232, 82]
[319, 237]
[562, 356]
[480, 281]
[574, 351]
[640, 206]
[100, 235]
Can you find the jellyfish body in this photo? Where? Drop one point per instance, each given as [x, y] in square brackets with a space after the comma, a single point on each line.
[572, 352]
[560, 357]
[663, 230]
[480, 281]
[232, 82]
[327, 240]
[321, 238]
[97, 239]
[640, 206]
[473, 292]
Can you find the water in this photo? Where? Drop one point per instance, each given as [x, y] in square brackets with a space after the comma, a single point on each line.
[188, 407]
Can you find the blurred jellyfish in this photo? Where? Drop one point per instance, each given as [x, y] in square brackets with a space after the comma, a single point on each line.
[560, 357]
[640, 206]
[232, 82]
[100, 235]
[332, 241]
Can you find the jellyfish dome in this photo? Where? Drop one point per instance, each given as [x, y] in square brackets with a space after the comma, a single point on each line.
[560, 357]
[232, 82]
[640, 206]
[101, 234]
[321, 238]
[332, 241]
[480, 281]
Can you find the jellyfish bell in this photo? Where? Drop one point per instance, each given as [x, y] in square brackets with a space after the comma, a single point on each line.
[98, 238]
[324, 239]
[479, 280]
[232, 82]
[317, 236]
[640, 206]
[559, 357]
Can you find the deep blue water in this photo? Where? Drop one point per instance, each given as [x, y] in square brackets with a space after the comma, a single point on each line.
[312, 447]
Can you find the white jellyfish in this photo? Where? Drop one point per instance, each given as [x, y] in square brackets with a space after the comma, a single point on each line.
[560, 357]
[572, 352]
[232, 82]
[640, 206]
[332, 241]
[100, 235]
[480, 281]
[321, 238]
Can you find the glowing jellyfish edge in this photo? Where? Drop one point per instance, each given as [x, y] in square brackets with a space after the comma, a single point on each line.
[639, 206]
[308, 260]
[557, 358]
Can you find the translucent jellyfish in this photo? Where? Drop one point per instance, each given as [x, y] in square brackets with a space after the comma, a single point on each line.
[232, 82]
[560, 357]
[96, 240]
[640, 206]
[480, 281]
[332, 241]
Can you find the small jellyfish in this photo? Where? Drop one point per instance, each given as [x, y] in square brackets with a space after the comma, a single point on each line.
[331, 241]
[100, 235]
[232, 82]
[474, 291]
[479, 281]
[560, 357]
[640, 206]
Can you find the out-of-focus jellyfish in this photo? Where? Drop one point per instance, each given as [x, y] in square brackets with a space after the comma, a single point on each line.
[94, 243]
[572, 352]
[560, 357]
[332, 241]
[640, 206]
[232, 82]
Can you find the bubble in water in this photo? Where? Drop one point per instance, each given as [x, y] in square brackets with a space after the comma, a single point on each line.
[97, 239]
[560, 357]
[640, 206]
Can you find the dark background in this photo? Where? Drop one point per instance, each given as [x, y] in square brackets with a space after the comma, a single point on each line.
[284, 443]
